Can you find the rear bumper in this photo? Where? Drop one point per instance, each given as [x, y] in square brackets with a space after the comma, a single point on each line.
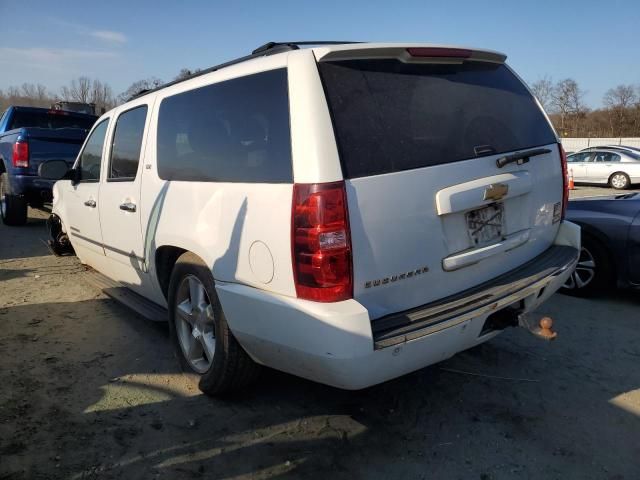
[337, 344]
[533, 277]
[31, 186]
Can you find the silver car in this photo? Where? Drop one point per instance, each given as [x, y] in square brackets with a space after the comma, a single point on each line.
[609, 166]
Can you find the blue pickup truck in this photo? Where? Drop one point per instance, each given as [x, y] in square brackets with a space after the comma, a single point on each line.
[28, 137]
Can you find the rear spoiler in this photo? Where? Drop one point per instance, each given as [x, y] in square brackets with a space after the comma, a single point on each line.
[412, 53]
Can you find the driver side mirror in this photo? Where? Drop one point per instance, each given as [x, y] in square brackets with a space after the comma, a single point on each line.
[56, 170]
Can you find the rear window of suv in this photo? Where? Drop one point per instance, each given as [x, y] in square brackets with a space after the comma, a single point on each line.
[391, 116]
[232, 131]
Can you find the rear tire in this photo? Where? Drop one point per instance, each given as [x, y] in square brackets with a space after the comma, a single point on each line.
[620, 181]
[594, 272]
[201, 337]
[13, 208]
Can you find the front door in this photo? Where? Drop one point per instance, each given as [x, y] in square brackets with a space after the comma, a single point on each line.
[577, 165]
[120, 194]
[82, 204]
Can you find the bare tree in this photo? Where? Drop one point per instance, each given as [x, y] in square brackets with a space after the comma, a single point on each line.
[101, 96]
[567, 100]
[28, 90]
[136, 87]
[183, 73]
[619, 102]
[542, 89]
[186, 73]
[27, 94]
[80, 89]
[65, 93]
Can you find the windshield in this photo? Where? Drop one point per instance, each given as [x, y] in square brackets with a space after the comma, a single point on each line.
[391, 116]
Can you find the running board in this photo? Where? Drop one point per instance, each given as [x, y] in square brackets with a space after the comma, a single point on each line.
[120, 293]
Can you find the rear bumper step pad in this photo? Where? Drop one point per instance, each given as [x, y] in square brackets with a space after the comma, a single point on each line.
[445, 313]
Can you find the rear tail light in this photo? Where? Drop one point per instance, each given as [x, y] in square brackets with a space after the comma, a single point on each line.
[321, 244]
[439, 52]
[20, 156]
[565, 180]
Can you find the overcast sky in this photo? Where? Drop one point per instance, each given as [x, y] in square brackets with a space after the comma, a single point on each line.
[50, 42]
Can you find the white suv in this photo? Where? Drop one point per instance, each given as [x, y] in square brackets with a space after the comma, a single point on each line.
[347, 213]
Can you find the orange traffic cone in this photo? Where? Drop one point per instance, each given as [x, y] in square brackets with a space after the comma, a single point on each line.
[572, 185]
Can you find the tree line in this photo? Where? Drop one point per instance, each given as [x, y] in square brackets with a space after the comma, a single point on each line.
[564, 102]
[82, 89]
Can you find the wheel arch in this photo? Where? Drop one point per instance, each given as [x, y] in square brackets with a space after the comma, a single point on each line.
[165, 259]
[604, 241]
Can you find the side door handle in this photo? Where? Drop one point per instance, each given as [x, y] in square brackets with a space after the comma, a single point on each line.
[128, 207]
[90, 203]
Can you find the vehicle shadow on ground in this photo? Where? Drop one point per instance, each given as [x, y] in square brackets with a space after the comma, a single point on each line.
[18, 242]
[105, 399]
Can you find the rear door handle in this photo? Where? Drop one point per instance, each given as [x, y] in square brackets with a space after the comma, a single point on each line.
[128, 207]
[90, 203]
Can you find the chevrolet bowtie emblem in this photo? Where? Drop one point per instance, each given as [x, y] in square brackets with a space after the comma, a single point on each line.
[495, 191]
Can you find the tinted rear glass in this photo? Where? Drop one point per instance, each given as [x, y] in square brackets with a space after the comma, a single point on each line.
[390, 116]
[44, 119]
[233, 131]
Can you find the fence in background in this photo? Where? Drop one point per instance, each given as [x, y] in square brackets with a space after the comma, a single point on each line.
[574, 144]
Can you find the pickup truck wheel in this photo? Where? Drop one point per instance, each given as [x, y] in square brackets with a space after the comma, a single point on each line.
[13, 209]
[200, 334]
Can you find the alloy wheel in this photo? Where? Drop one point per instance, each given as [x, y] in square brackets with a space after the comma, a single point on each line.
[619, 181]
[195, 324]
[584, 273]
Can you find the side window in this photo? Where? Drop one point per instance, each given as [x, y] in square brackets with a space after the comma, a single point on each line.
[126, 145]
[600, 157]
[612, 157]
[579, 157]
[232, 131]
[91, 156]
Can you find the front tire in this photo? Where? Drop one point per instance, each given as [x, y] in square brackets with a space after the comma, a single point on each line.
[620, 181]
[13, 208]
[200, 334]
[594, 272]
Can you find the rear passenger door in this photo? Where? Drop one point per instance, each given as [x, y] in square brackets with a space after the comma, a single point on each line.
[120, 191]
[602, 166]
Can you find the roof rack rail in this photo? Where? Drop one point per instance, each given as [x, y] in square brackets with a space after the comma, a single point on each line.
[270, 48]
[295, 45]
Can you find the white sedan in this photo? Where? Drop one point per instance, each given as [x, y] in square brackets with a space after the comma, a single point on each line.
[613, 167]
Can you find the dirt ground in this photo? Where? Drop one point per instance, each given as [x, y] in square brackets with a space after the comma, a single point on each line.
[91, 390]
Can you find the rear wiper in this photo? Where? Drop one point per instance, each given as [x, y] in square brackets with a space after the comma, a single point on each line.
[521, 157]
